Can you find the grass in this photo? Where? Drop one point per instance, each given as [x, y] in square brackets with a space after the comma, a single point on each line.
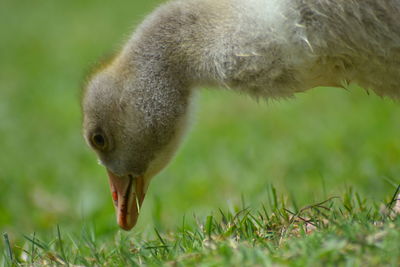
[215, 204]
[336, 232]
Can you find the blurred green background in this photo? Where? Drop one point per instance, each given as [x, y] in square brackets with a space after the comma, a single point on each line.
[316, 145]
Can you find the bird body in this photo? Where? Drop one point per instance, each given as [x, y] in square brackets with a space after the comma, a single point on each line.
[136, 108]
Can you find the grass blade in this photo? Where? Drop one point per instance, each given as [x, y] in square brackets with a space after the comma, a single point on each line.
[209, 223]
[161, 240]
[8, 247]
[60, 244]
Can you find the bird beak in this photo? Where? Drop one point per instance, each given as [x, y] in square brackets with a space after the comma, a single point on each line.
[128, 193]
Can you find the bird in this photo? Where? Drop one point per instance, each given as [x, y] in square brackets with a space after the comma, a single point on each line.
[136, 108]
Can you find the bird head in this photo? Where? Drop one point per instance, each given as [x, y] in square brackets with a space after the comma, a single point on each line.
[134, 123]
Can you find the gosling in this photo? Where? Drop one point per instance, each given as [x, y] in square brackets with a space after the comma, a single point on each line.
[135, 109]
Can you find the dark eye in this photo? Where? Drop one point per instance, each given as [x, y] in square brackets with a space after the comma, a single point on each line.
[99, 141]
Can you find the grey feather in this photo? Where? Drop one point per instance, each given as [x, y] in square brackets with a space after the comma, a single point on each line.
[266, 48]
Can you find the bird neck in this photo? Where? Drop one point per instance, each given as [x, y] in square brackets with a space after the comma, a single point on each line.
[179, 45]
[193, 43]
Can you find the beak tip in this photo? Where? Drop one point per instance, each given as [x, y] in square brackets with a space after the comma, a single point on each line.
[126, 226]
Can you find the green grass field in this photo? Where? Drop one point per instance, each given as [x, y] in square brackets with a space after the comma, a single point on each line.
[233, 195]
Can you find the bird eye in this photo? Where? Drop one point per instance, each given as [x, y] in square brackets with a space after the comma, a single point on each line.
[99, 141]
